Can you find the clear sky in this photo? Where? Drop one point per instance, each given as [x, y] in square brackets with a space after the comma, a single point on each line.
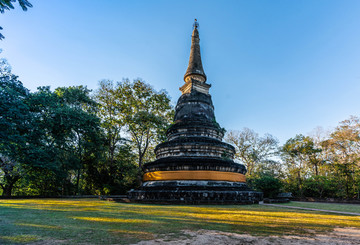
[278, 67]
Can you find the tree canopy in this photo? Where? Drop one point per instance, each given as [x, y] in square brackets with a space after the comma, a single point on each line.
[72, 141]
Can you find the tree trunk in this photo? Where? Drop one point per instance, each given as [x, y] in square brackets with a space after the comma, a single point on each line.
[7, 189]
[300, 184]
[140, 162]
[78, 182]
[9, 184]
[316, 170]
[140, 174]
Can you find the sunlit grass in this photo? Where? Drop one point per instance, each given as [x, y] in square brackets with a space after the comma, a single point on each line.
[93, 221]
[352, 208]
[19, 238]
[39, 226]
[114, 220]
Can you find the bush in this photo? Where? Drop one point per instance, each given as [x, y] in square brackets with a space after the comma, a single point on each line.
[267, 184]
[320, 187]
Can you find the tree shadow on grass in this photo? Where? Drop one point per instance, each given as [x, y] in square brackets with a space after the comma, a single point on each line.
[104, 222]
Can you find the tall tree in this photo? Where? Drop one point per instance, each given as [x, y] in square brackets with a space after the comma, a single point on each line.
[66, 137]
[132, 114]
[82, 126]
[344, 154]
[300, 156]
[257, 153]
[14, 126]
[117, 172]
[146, 114]
[112, 120]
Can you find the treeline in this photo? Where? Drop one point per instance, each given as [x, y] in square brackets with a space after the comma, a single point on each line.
[73, 142]
[325, 165]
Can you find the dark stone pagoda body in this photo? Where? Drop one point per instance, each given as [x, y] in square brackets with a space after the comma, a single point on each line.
[194, 166]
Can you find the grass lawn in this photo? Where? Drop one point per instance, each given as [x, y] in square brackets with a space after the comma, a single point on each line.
[100, 222]
[352, 208]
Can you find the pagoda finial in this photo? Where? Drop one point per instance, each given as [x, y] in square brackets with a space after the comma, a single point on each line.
[195, 69]
[196, 24]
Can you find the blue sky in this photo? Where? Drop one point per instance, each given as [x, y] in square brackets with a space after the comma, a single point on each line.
[278, 67]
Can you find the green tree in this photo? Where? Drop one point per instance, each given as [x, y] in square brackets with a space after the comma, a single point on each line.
[122, 176]
[300, 156]
[111, 120]
[132, 114]
[343, 148]
[294, 160]
[82, 126]
[66, 138]
[117, 171]
[146, 114]
[14, 126]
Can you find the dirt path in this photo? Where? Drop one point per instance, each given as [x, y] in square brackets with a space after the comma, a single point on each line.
[312, 209]
[347, 236]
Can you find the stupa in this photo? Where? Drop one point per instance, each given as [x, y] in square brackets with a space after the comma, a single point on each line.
[194, 166]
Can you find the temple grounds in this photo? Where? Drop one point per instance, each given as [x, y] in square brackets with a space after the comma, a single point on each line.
[92, 221]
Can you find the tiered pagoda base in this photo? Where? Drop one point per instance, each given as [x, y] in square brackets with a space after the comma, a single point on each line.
[188, 191]
[195, 192]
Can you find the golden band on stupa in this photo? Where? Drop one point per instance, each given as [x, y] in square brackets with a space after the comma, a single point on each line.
[194, 175]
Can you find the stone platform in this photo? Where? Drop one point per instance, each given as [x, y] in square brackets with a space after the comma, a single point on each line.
[195, 192]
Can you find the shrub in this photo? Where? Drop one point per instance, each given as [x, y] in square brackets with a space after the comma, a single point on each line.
[267, 184]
